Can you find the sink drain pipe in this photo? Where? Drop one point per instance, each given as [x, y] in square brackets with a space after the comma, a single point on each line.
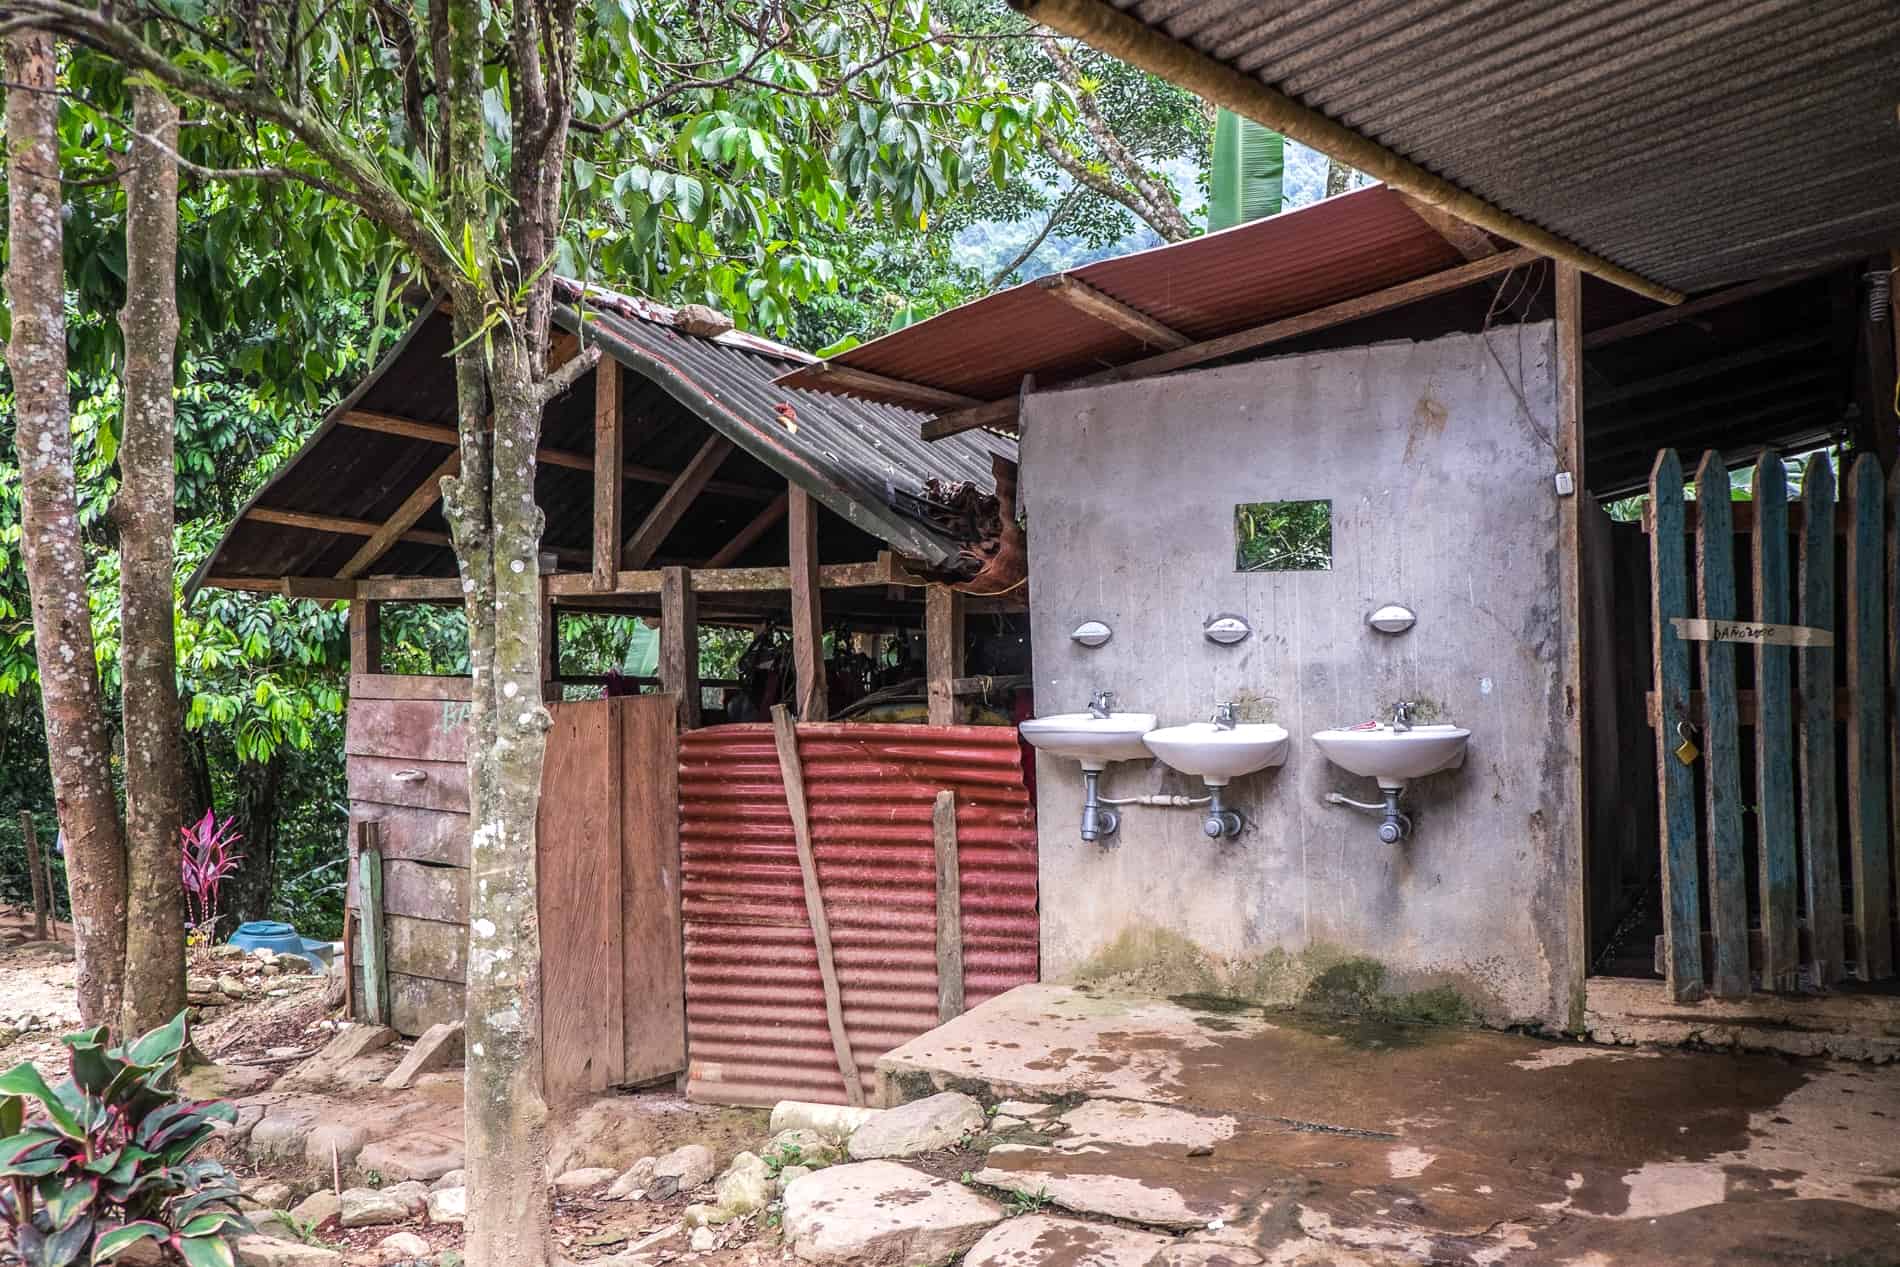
[1395, 827]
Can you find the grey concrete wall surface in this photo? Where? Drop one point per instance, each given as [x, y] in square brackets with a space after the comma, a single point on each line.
[1443, 500]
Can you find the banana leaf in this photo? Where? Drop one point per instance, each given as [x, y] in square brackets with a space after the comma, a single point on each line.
[1248, 179]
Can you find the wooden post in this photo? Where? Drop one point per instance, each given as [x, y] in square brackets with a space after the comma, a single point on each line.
[1675, 779]
[366, 636]
[808, 621]
[1865, 624]
[550, 650]
[30, 839]
[943, 823]
[943, 651]
[1721, 742]
[785, 734]
[1574, 837]
[679, 643]
[1774, 732]
[609, 441]
[369, 870]
[1820, 832]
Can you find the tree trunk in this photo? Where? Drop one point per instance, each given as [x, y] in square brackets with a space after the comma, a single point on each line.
[154, 740]
[1338, 177]
[246, 894]
[78, 747]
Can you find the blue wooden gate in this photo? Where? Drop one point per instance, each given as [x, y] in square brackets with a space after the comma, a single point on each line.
[1777, 858]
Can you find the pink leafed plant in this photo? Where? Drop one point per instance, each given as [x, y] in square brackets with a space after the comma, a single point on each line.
[209, 856]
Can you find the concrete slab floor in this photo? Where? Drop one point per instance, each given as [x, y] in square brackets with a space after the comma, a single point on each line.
[1440, 1145]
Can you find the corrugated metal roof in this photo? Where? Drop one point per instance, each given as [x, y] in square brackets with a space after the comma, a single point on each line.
[1696, 143]
[1205, 287]
[755, 1009]
[855, 457]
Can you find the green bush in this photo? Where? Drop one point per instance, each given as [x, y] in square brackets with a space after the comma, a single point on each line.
[105, 1161]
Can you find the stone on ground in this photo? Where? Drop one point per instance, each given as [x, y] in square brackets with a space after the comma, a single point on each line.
[375, 1207]
[264, 1251]
[878, 1212]
[922, 1126]
[402, 1247]
[792, 1174]
[1004, 1122]
[423, 1155]
[266, 1194]
[1041, 1239]
[1303, 1252]
[702, 1240]
[634, 1179]
[681, 1170]
[457, 1178]
[746, 1186]
[703, 1214]
[223, 1082]
[351, 1044]
[439, 1047]
[1023, 1108]
[318, 1206]
[341, 1142]
[279, 1135]
[835, 1120]
[448, 1205]
[808, 1147]
[583, 1180]
[231, 988]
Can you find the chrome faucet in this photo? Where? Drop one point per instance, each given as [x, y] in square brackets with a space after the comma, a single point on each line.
[1100, 704]
[1402, 714]
[1223, 716]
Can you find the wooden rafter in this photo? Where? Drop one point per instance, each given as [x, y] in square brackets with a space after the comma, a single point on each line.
[743, 539]
[673, 504]
[339, 524]
[1004, 412]
[919, 395]
[369, 420]
[1110, 311]
[414, 507]
[1466, 238]
[1693, 308]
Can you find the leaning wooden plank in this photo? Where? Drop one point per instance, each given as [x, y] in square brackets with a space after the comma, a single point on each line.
[1820, 842]
[1866, 652]
[369, 871]
[1774, 733]
[785, 732]
[1675, 781]
[943, 822]
[1721, 743]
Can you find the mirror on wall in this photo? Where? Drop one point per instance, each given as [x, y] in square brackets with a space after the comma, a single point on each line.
[1293, 536]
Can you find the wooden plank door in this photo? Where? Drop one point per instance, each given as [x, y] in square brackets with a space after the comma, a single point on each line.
[653, 955]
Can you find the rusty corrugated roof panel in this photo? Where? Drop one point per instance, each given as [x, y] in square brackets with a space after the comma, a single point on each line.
[755, 1010]
[1246, 276]
[1697, 142]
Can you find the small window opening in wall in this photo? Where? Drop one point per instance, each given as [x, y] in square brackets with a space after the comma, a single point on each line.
[1283, 536]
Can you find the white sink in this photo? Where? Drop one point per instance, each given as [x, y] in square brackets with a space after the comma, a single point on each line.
[1094, 741]
[1394, 757]
[1218, 755]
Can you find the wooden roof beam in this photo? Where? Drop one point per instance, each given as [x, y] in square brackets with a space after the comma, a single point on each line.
[1466, 238]
[1693, 308]
[673, 504]
[863, 382]
[1004, 412]
[414, 507]
[1110, 311]
[340, 525]
[434, 433]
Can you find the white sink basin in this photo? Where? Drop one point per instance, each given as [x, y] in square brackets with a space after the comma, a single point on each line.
[1394, 757]
[1094, 741]
[1217, 755]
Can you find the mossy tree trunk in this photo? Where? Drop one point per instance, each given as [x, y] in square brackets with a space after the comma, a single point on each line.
[143, 512]
[76, 738]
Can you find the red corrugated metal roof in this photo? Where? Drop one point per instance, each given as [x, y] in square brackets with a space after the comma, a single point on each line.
[1242, 277]
[755, 1011]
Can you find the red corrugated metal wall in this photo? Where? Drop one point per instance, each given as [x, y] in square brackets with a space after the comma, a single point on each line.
[755, 1011]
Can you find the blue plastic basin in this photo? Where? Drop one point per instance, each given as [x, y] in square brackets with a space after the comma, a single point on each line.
[279, 938]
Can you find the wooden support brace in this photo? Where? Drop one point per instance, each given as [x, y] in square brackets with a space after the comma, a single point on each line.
[808, 628]
[943, 823]
[366, 636]
[1110, 311]
[674, 503]
[679, 643]
[609, 437]
[369, 871]
[943, 651]
[744, 539]
[785, 734]
[30, 839]
[397, 526]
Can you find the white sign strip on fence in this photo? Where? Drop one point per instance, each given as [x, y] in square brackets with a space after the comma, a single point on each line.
[1692, 630]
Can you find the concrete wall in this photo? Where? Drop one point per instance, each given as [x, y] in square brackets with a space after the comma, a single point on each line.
[1443, 501]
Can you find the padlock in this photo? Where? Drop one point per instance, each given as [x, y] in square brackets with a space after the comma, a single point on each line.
[1686, 751]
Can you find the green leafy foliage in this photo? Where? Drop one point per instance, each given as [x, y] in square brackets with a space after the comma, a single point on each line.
[106, 1159]
[1248, 175]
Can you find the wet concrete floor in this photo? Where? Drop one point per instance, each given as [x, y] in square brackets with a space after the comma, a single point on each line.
[1280, 1135]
